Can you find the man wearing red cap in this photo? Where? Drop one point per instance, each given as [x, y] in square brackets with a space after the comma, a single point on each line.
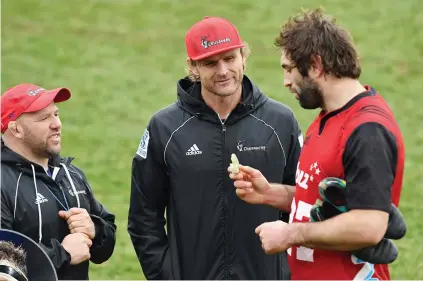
[180, 167]
[44, 196]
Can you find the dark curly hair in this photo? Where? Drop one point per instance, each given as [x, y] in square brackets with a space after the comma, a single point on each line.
[310, 34]
[14, 255]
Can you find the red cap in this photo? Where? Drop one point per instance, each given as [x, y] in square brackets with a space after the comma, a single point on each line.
[211, 36]
[24, 98]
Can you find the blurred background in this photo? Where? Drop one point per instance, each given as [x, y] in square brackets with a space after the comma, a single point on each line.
[122, 59]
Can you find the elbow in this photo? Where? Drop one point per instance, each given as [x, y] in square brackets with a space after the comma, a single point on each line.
[375, 232]
[368, 238]
[374, 238]
[371, 226]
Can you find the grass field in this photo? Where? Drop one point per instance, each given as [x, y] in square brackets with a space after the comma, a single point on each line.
[121, 59]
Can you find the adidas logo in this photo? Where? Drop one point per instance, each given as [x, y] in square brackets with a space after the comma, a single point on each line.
[40, 199]
[193, 150]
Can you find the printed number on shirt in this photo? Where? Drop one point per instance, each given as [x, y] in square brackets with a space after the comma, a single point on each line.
[302, 210]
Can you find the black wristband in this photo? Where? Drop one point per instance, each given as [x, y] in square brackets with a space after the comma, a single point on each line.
[13, 272]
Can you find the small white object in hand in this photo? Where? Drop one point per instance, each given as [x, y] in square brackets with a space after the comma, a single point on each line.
[235, 164]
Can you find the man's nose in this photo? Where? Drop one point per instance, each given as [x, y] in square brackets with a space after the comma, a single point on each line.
[287, 82]
[56, 124]
[222, 68]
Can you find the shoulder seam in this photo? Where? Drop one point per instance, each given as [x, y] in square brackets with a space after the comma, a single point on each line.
[276, 134]
[170, 137]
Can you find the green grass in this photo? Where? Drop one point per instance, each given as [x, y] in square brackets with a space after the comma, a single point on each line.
[121, 59]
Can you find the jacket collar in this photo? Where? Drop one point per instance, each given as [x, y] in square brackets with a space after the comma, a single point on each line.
[13, 159]
[191, 100]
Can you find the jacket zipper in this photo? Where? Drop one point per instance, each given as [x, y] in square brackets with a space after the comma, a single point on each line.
[225, 203]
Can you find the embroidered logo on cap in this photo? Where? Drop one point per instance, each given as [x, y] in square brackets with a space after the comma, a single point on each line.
[206, 43]
[34, 92]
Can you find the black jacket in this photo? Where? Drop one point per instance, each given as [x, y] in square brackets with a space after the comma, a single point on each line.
[19, 209]
[181, 166]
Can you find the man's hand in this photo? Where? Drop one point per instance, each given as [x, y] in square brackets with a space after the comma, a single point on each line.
[79, 221]
[78, 246]
[276, 236]
[251, 186]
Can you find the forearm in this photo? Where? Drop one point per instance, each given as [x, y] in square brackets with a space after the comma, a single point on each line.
[350, 231]
[280, 196]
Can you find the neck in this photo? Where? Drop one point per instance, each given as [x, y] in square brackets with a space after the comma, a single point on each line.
[339, 92]
[222, 105]
[25, 152]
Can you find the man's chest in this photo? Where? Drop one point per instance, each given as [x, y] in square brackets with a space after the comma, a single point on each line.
[42, 203]
[321, 157]
[205, 149]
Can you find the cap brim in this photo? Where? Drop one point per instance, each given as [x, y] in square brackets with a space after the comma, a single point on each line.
[46, 98]
[215, 52]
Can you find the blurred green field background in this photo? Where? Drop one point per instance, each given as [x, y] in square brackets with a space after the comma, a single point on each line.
[121, 59]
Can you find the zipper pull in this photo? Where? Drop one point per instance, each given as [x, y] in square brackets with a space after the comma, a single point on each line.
[223, 128]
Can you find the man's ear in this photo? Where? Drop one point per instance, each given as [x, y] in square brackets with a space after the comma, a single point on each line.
[192, 66]
[15, 129]
[316, 66]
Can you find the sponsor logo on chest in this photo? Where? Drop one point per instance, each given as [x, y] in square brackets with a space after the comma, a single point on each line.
[241, 146]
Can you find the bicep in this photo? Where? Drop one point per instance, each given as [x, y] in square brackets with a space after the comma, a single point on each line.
[369, 160]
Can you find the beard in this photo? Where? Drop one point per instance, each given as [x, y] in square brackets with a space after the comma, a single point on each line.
[310, 95]
[38, 146]
[225, 90]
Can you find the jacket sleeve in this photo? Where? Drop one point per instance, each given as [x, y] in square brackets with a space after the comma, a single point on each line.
[105, 227]
[296, 144]
[148, 200]
[292, 157]
[57, 254]
[6, 210]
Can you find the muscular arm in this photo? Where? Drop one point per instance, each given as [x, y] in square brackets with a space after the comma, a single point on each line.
[350, 231]
[289, 175]
[370, 160]
[280, 196]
